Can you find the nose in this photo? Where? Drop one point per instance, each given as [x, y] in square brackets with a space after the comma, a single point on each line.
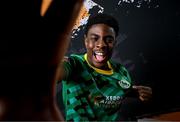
[101, 44]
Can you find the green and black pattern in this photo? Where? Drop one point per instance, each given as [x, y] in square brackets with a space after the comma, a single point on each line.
[89, 95]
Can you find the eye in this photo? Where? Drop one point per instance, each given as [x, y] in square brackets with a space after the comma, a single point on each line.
[109, 39]
[94, 38]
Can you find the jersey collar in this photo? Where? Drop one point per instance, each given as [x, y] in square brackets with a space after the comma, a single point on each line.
[105, 72]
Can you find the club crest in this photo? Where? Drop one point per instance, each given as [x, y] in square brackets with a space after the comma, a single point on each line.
[124, 84]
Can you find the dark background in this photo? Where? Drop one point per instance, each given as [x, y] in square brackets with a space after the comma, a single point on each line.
[148, 46]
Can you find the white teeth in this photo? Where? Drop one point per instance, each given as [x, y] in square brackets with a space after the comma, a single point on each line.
[98, 53]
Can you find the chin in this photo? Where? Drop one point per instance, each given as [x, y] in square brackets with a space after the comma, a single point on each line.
[99, 65]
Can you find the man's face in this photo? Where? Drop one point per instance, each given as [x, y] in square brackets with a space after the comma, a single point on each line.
[99, 43]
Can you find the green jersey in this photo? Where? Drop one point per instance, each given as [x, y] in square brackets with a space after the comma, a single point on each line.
[91, 94]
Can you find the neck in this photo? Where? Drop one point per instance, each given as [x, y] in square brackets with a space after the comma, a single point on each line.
[101, 71]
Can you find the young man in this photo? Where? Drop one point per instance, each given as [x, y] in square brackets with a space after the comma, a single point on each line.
[93, 85]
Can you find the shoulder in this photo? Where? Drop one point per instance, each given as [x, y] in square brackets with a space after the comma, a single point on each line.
[118, 67]
[71, 65]
[73, 59]
[77, 57]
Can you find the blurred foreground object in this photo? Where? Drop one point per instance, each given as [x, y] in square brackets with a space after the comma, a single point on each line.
[33, 41]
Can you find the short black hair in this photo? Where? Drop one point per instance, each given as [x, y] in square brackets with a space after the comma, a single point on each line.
[102, 19]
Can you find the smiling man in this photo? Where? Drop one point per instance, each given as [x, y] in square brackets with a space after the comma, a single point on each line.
[99, 43]
[93, 85]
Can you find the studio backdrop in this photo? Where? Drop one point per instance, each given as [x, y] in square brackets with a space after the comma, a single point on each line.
[148, 44]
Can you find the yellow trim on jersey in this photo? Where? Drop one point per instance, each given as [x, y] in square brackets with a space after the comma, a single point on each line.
[105, 72]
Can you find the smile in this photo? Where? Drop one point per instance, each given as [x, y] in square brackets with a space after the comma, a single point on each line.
[100, 56]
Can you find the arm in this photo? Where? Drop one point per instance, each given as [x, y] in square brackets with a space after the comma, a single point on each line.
[60, 18]
[61, 72]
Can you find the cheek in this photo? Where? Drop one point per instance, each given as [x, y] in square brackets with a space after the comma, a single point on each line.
[89, 45]
[111, 46]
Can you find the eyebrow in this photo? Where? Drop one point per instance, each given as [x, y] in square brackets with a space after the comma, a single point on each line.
[92, 34]
[109, 36]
